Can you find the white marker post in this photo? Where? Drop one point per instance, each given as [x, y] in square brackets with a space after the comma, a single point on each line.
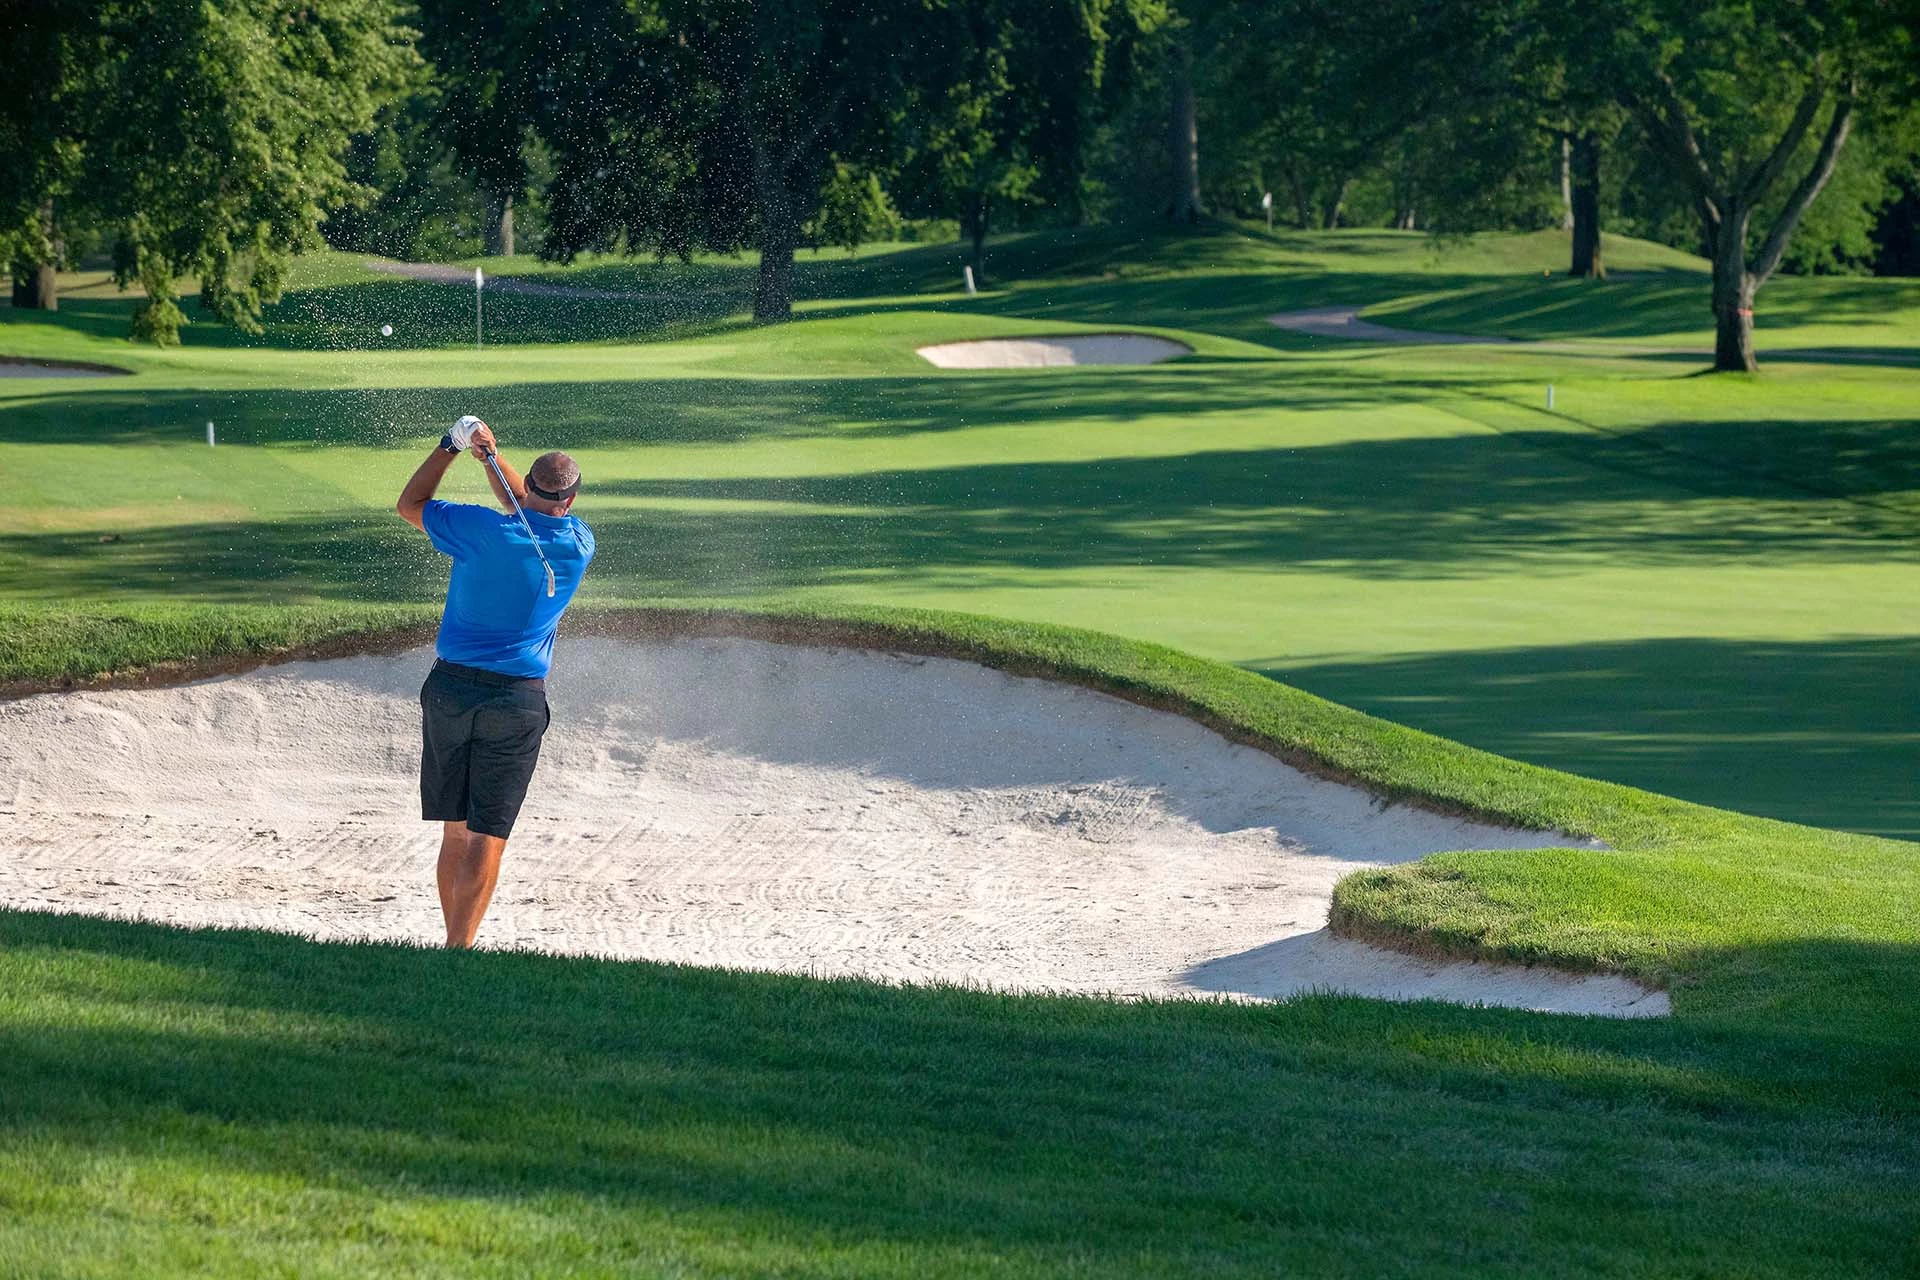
[209, 435]
[1266, 202]
[479, 283]
[966, 273]
[1549, 395]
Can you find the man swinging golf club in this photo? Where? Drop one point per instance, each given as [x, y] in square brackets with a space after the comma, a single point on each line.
[484, 705]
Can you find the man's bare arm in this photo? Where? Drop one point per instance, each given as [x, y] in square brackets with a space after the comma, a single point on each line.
[420, 489]
[484, 443]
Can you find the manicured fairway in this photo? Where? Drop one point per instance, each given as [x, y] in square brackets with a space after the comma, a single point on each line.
[1702, 586]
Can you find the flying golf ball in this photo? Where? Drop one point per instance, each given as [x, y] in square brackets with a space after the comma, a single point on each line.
[386, 331]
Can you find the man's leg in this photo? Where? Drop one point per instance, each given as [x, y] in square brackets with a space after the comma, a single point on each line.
[469, 868]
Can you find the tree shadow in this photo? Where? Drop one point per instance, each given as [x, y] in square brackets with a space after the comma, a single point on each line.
[1817, 732]
[952, 1127]
[1418, 507]
[1650, 306]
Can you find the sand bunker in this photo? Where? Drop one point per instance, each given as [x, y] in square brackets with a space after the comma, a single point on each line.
[23, 367]
[738, 803]
[1032, 353]
[1345, 322]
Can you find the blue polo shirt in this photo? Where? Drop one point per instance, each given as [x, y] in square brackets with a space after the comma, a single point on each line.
[498, 616]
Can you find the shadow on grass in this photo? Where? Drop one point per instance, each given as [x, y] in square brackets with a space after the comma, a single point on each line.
[958, 1127]
[1820, 732]
[1651, 305]
[1411, 507]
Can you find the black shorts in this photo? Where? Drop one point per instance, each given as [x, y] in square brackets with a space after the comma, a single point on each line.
[481, 738]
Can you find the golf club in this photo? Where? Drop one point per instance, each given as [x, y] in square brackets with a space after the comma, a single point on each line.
[524, 522]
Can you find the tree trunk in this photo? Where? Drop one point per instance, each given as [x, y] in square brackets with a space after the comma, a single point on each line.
[1733, 290]
[1302, 207]
[1584, 204]
[773, 289]
[1405, 211]
[1185, 204]
[778, 233]
[1566, 181]
[499, 229]
[973, 228]
[1336, 205]
[36, 285]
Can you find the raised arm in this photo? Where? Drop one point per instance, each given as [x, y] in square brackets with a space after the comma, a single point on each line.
[420, 489]
[483, 444]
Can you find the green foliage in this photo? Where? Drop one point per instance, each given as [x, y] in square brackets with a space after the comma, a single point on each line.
[483, 100]
[853, 210]
[1306, 98]
[218, 147]
[1013, 128]
[1738, 102]
[425, 207]
[158, 319]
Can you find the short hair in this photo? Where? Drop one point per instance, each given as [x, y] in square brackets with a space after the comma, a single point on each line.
[555, 472]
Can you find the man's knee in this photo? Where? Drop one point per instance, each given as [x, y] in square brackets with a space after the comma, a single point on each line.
[481, 846]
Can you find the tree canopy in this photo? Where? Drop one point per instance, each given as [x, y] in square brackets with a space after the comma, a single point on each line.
[1751, 108]
[206, 135]
[214, 138]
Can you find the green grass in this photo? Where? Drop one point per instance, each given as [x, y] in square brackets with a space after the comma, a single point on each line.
[1700, 586]
[241, 1104]
[231, 1103]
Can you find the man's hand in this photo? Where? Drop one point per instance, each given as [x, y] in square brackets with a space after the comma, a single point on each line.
[482, 442]
[461, 432]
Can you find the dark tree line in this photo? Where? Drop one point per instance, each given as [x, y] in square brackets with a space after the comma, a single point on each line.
[212, 138]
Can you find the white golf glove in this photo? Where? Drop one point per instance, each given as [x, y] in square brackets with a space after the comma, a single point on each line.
[462, 432]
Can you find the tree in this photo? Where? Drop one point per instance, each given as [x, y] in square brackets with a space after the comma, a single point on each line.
[1317, 94]
[1184, 203]
[427, 207]
[485, 97]
[206, 133]
[1750, 107]
[220, 144]
[1012, 126]
[715, 125]
[45, 61]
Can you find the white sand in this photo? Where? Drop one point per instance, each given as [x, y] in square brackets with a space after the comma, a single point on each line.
[736, 803]
[1030, 353]
[1345, 322]
[22, 367]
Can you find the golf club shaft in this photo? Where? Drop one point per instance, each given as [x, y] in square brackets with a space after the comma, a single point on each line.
[525, 523]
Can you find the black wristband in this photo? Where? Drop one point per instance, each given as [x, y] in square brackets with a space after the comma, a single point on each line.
[446, 443]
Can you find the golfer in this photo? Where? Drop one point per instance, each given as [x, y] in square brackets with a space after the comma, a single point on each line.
[484, 705]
